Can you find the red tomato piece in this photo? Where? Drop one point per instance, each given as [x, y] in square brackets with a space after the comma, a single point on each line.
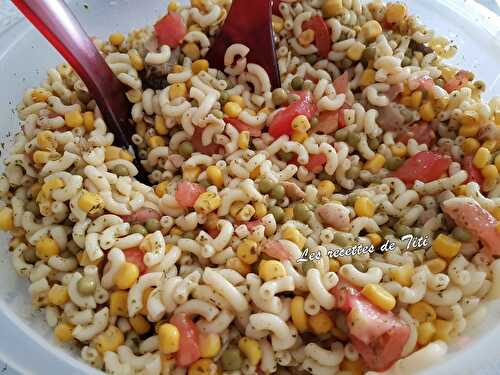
[426, 83]
[198, 144]
[321, 34]
[474, 173]
[341, 118]
[141, 216]
[135, 255]
[275, 249]
[421, 132]
[252, 224]
[461, 78]
[426, 166]
[282, 122]
[241, 126]
[187, 193]
[328, 122]
[214, 232]
[341, 83]
[189, 343]
[316, 163]
[170, 30]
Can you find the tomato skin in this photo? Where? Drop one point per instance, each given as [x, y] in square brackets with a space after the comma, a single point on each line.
[170, 30]
[198, 144]
[282, 122]
[461, 78]
[341, 118]
[275, 250]
[474, 173]
[321, 34]
[241, 126]
[316, 163]
[328, 122]
[421, 132]
[341, 83]
[426, 166]
[135, 255]
[187, 193]
[189, 343]
[141, 216]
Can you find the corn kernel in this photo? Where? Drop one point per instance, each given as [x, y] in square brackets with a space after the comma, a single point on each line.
[490, 172]
[422, 312]
[379, 296]
[73, 119]
[371, 30]
[169, 338]
[116, 39]
[470, 146]
[406, 101]
[112, 153]
[299, 317]
[238, 265]
[446, 247]
[178, 90]
[6, 219]
[461, 190]
[321, 323]
[83, 259]
[436, 265]
[278, 23]
[293, 234]
[118, 303]
[91, 202]
[306, 37]
[367, 78]
[443, 330]
[425, 332]
[490, 144]
[247, 251]
[156, 141]
[251, 349]
[109, 340]
[255, 173]
[200, 66]
[210, 345]
[427, 112]
[88, 121]
[468, 130]
[232, 109]
[192, 51]
[127, 275]
[395, 13]
[176, 231]
[173, 6]
[203, 366]
[145, 297]
[481, 158]
[160, 127]
[288, 214]
[375, 165]
[496, 213]
[207, 202]
[63, 332]
[271, 269]
[191, 173]
[363, 206]
[332, 8]
[244, 140]
[58, 295]
[301, 124]
[135, 59]
[51, 185]
[46, 247]
[215, 176]
[374, 238]
[356, 51]
[416, 99]
[326, 188]
[140, 324]
[238, 99]
[298, 136]
[46, 140]
[43, 157]
[161, 188]
[469, 118]
[260, 210]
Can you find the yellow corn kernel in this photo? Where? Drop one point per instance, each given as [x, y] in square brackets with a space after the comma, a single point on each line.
[200, 66]
[173, 6]
[490, 172]
[301, 124]
[46, 247]
[177, 69]
[109, 340]
[278, 23]
[371, 30]
[207, 202]
[135, 59]
[379, 296]
[40, 95]
[116, 39]
[363, 206]
[306, 37]
[6, 219]
[210, 345]
[496, 213]
[332, 8]
[51, 185]
[112, 153]
[402, 274]
[238, 265]
[425, 331]
[91, 202]
[356, 51]
[192, 51]
[169, 338]
[178, 90]
[299, 316]
[395, 13]
[156, 141]
[140, 324]
[375, 239]
[118, 303]
[88, 121]
[42, 157]
[145, 296]
[63, 332]
[247, 251]
[481, 158]
[416, 99]
[469, 118]
[321, 323]
[134, 96]
[468, 131]
[46, 140]
[490, 144]
[436, 265]
[271, 269]
[446, 247]
[497, 227]
[427, 112]
[375, 164]
[293, 234]
[255, 173]
[232, 109]
[191, 173]
[161, 188]
[461, 190]
[288, 214]
[244, 140]
[251, 349]
[367, 78]
[203, 366]
[260, 210]
[83, 259]
[215, 176]
[73, 119]
[470, 146]
[406, 101]
[422, 312]
[160, 127]
[127, 275]
[443, 330]
[58, 295]
[176, 231]
[326, 188]
[299, 137]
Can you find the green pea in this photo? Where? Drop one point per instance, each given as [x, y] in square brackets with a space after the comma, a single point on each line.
[265, 185]
[301, 212]
[285, 156]
[278, 192]
[393, 163]
[373, 143]
[324, 176]
[480, 85]
[306, 266]
[277, 212]
[205, 183]
[342, 135]
[73, 247]
[138, 228]
[280, 97]
[312, 59]
[186, 149]
[32, 206]
[406, 61]
[224, 97]
[86, 286]
[297, 83]
[353, 139]
[120, 170]
[29, 255]
[362, 267]
[385, 232]
[218, 113]
[402, 230]
[341, 239]
[368, 55]
[440, 82]
[231, 359]
[461, 234]
[314, 122]
[353, 172]
[152, 225]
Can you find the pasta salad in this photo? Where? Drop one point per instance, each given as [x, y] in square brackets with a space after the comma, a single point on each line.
[242, 255]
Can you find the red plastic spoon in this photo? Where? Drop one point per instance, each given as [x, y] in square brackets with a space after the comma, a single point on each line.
[248, 22]
[56, 22]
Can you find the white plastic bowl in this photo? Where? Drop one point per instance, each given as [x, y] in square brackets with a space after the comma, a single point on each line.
[25, 340]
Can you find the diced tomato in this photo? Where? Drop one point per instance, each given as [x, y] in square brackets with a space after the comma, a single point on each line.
[198, 144]
[474, 173]
[461, 78]
[328, 122]
[421, 132]
[426, 166]
[189, 343]
[321, 34]
[467, 213]
[135, 255]
[282, 122]
[187, 193]
[214, 232]
[141, 216]
[252, 224]
[241, 126]
[342, 118]
[275, 249]
[341, 83]
[316, 163]
[425, 83]
[170, 30]
[394, 91]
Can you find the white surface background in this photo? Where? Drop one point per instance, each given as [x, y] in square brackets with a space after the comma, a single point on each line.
[9, 16]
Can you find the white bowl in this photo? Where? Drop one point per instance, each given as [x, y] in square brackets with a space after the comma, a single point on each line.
[26, 343]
